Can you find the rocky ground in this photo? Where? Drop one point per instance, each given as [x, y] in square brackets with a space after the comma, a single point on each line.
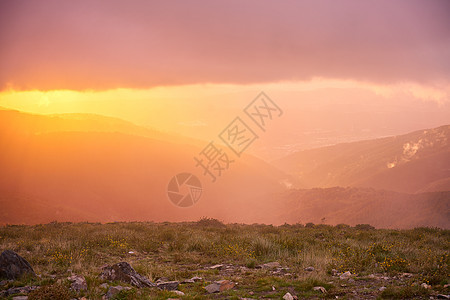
[209, 260]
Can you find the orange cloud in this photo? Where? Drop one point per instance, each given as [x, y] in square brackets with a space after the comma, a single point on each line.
[103, 45]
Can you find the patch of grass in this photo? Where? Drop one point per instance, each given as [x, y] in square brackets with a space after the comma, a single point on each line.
[406, 292]
[180, 251]
[51, 292]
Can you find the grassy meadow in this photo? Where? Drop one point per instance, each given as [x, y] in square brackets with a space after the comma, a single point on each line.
[383, 263]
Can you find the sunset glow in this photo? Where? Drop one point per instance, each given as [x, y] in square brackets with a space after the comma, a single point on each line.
[103, 103]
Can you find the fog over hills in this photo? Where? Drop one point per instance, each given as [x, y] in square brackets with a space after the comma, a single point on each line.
[93, 168]
[418, 161]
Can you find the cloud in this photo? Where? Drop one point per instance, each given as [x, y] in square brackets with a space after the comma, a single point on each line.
[138, 44]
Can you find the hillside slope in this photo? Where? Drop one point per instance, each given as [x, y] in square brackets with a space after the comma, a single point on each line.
[382, 209]
[406, 163]
[113, 176]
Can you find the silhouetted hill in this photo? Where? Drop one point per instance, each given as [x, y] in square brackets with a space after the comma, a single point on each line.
[113, 176]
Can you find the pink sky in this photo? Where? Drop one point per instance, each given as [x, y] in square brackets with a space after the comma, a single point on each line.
[101, 45]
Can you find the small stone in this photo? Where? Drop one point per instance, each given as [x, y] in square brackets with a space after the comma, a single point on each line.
[220, 286]
[345, 275]
[168, 286]
[20, 298]
[212, 288]
[271, 265]
[216, 267]
[225, 285]
[382, 288]
[179, 293]
[425, 286]
[104, 285]
[124, 272]
[192, 280]
[309, 269]
[439, 296]
[78, 283]
[18, 290]
[114, 290]
[320, 288]
[288, 296]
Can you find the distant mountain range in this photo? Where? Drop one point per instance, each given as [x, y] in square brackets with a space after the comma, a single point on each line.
[410, 163]
[81, 167]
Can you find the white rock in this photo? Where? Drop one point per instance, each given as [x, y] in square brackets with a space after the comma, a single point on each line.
[425, 286]
[345, 275]
[179, 293]
[288, 296]
[320, 288]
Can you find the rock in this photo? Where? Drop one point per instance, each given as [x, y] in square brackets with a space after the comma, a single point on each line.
[5, 282]
[288, 296]
[169, 285]
[13, 266]
[219, 286]
[179, 293]
[192, 280]
[104, 285]
[20, 298]
[18, 290]
[446, 286]
[425, 286]
[407, 275]
[212, 288]
[309, 269]
[382, 288]
[216, 267]
[188, 281]
[162, 279]
[78, 283]
[345, 275]
[271, 265]
[124, 272]
[439, 296]
[320, 288]
[114, 290]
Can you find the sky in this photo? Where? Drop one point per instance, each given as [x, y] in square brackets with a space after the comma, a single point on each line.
[176, 65]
